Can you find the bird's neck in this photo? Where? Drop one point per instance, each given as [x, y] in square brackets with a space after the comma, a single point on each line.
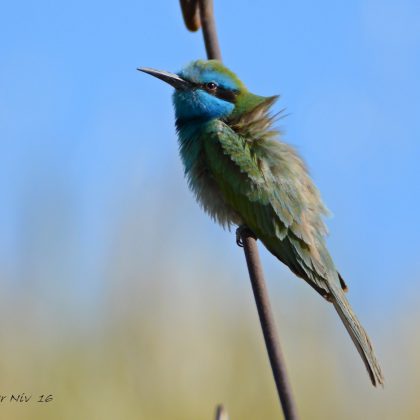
[190, 123]
[187, 127]
[190, 136]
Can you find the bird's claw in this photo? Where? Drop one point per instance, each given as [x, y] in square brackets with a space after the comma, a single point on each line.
[239, 241]
[239, 232]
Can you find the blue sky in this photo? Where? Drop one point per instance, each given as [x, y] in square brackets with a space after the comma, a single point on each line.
[84, 137]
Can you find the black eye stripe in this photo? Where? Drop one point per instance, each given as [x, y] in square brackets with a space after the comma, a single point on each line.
[225, 94]
[219, 92]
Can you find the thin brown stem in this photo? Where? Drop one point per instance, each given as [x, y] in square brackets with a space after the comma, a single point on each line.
[208, 26]
[268, 326]
[221, 413]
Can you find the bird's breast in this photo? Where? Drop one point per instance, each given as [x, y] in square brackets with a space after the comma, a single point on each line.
[201, 180]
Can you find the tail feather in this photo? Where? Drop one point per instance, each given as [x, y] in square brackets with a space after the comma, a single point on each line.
[357, 334]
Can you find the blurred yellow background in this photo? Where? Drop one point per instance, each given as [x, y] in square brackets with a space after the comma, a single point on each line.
[173, 330]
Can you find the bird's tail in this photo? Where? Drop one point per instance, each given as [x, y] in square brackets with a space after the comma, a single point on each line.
[357, 334]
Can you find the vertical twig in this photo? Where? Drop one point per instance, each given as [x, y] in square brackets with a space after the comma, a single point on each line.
[199, 13]
[221, 413]
[209, 29]
[268, 326]
[278, 366]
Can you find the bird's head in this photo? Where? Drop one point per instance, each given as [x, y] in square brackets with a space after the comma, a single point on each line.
[206, 89]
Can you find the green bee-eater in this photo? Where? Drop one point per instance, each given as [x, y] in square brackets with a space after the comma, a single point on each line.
[243, 175]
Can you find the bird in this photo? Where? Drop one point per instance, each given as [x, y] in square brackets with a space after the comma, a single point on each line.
[243, 174]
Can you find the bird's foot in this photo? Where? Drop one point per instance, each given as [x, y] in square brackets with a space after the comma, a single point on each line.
[240, 231]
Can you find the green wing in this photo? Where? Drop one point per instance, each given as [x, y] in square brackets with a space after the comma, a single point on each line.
[268, 185]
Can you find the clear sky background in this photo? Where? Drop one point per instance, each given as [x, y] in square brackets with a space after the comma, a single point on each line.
[81, 130]
[88, 147]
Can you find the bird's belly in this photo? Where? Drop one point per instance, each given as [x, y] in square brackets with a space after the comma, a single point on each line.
[210, 197]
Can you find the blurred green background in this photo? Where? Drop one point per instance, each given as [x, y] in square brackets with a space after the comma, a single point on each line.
[118, 295]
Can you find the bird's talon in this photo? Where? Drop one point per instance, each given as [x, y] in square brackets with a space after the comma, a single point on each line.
[239, 231]
[239, 240]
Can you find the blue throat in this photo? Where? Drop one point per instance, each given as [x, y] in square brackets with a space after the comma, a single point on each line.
[199, 105]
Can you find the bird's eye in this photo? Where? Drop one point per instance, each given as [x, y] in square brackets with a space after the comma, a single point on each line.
[211, 86]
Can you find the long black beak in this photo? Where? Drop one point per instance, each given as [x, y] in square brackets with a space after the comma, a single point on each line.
[173, 79]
